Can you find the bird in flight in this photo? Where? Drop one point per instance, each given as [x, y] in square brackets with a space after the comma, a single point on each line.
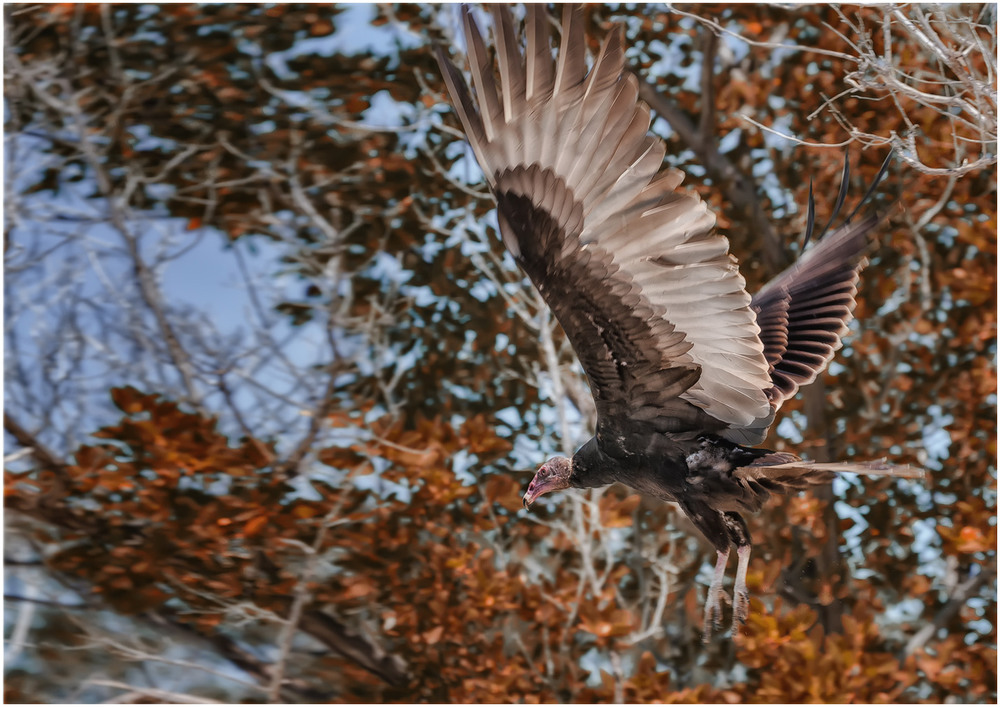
[687, 370]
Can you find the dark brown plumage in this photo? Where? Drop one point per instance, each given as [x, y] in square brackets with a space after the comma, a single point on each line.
[685, 368]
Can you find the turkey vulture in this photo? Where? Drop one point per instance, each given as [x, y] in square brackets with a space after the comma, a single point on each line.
[686, 369]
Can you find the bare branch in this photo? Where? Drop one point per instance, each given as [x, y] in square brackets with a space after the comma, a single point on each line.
[719, 29]
[300, 597]
[958, 598]
[138, 694]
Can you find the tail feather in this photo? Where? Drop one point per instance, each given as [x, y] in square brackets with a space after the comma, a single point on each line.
[785, 468]
[878, 467]
[784, 473]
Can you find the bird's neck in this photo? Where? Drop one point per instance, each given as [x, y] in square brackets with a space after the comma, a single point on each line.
[592, 467]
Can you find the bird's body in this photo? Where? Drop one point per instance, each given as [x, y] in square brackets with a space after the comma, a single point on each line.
[686, 369]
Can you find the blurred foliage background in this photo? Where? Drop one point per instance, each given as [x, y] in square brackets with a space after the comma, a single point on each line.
[273, 387]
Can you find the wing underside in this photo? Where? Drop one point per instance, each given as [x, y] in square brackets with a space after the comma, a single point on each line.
[804, 312]
[645, 289]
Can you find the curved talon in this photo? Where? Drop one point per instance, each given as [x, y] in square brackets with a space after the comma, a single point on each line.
[741, 609]
[713, 613]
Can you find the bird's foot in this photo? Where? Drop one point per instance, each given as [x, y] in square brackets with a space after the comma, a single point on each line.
[713, 603]
[713, 613]
[741, 608]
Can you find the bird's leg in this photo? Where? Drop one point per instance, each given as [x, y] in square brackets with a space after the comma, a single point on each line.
[739, 533]
[723, 530]
[713, 604]
[741, 597]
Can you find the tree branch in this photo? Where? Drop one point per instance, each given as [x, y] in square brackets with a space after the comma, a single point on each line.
[335, 635]
[962, 593]
[710, 47]
[41, 454]
[317, 624]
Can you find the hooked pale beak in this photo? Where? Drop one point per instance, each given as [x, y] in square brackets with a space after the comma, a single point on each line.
[542, 484]
[530, 495]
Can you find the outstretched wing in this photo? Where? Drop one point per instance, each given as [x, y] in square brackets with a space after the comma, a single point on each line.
[644, 288]
[805, 310]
